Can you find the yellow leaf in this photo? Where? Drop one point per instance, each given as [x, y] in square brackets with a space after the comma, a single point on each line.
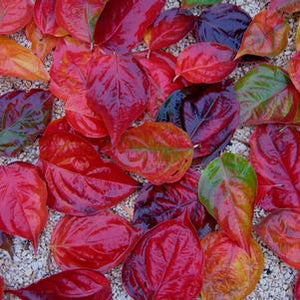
[18, 61]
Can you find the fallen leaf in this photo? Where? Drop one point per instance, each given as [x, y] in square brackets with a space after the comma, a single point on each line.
[23, 198]
[298, 37]
[166, 263]
[123, 24]
[297, 288]
[98, 242]
[191, 3]
[74, 284]
[41, 45]
[267, 35]
[224, 24]
[171, 26]
[294, 72]
[156, 204]
[6, 244]
[267, 95]
[117, 91]
[284, 6]
[275, 156]
[24, 116]
[45, 18]
[79, 182]
[18, 61]
[280, 231]
[229, 271]
[227, 188]
[155, 148]
[205, 63]
[14, 15]
[79, 17]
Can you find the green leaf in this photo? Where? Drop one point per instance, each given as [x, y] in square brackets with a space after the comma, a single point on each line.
[267, 95]
[227, 188]
[190, 3]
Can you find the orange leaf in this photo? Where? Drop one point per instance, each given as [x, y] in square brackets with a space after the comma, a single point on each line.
[298, 37]
[18, 61]
[42, 44]
[229, 272]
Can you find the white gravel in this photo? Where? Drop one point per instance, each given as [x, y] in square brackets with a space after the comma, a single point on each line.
[25, 267]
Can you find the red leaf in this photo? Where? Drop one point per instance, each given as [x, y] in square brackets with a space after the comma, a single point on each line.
[23, 198]
[45, 19]
[285, 6]
[166, 263]
[275, 156]
[123, 23]
[156, 204]
[79, 17]
[170, 27]
[99, 242]
[41, 45]
[160, 69]
[79, 182]
[229, 271]
[72, 58]
[294, 72]
[280, 230]
[74, 284]
[14, 15]
[1, 288]
[161, 152]
[117, 90]
[206, 62]
[297, 288]
[267, 35]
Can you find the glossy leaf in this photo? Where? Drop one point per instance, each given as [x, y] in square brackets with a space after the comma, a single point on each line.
[156, 204]
[41, 45]
[24, 116]
[191, 3]
[158, 151]
[14, 15]
[224, 24]
[227, 188]
[75, 284]
[206, 63]
[294, 71]
[79, 17]
[45, 18]
[6, 244]
[123, 24]
[160, 69]
[209, 114]
[267, 95]
[23, 198]
[18, 61]
[229, 271]
[275, 156]
[280, 231]
[170, 27]
[285, 6]
[72, 58]
[166, 263]
[117, 91]
[297, 288]
[267, 35]
[298, 37]
[79, 182]
[99, 242]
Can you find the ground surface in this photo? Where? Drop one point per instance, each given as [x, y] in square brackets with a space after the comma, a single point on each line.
[25, 267]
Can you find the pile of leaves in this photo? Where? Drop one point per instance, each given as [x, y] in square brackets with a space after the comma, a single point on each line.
[157, 117]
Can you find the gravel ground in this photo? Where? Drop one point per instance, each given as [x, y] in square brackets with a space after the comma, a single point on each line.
[25, 267]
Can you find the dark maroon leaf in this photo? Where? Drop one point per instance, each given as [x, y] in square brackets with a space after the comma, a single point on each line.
[209, 113]
[123, 23]
[224, 24]
[75, 284]
[23, 117]
[117, 90]
[156, 204]
[166, 263]
[170, 27]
